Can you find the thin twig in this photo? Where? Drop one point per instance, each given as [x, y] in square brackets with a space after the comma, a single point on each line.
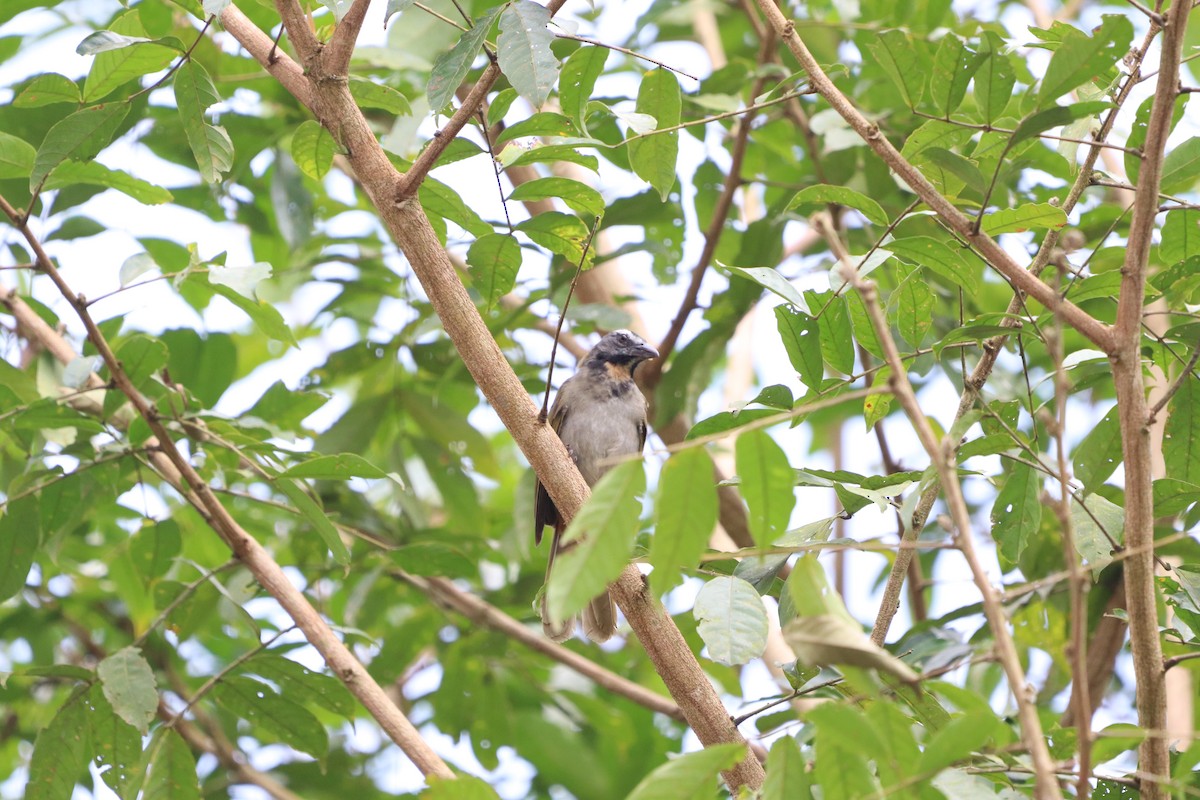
[562, 317]
[1081, 701]
[941, 455]
[627, 52]
[716, 225]
[1184, 375]
[481, 612]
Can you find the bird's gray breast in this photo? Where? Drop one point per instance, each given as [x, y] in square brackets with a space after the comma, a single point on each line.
[601, 426]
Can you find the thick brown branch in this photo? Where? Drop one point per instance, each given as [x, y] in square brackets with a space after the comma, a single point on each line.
[298, 28]
[269, 574]
[1021, 279]
[1135, 430]
[410, 229]
[341, 44]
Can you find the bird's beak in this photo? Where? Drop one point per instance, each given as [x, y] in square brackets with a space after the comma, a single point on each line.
[647, 351]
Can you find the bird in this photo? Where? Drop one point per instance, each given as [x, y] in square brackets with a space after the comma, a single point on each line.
[600, 415]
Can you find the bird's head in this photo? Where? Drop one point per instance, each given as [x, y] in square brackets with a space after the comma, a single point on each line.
[621, 349]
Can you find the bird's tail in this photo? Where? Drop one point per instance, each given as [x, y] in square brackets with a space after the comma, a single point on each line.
[599, 618]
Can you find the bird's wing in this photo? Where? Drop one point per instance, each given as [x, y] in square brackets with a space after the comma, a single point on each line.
[544, 511]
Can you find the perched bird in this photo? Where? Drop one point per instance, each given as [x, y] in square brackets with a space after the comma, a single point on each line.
[600, 415]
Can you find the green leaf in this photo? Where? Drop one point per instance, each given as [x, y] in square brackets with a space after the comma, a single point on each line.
[579, 197]
[548, 124]
[934, 133]
[773, 282]
[760, 571]
[93, 173]
[80, 136]
[878, 406]
[274, 714]
[20, 534]
[369, 94]
[993, 81]
[578, 79]
[341, 467]
[823, 633]
[523, 49]
[300, 683]
[837, 335]
[961, 168]
[685, 513]
[814, 197]
[210, 144]
[766, 484]
[103, 41]
[896, 54]
[1041, 121]
[1180, 235]
[494, 260]
[47, 89]
[913, 308]
[155, 547]
[690, 775]
[1017, 512]
[206, 366]
[1181, 167]
[559, 233]
[264, 315]
[1099, 454]
[117, 745]
[516, 156]
[653, 156]
[316, 515]
[961, 737]
[732, 620]
[602, 532]
[1022, 218]
[728, 420]
[953, 66]
[1080, 58]
[1181, 437]
[122, 54]
[787, 772]
[141, 356]
[129, 686]
[1100, 516]
[16, 156]
[438, 198]
[1137, 134]
[313, 149]
[172, 769]
[938, 257]
[451, 67]
[802, 339]
[60, 754]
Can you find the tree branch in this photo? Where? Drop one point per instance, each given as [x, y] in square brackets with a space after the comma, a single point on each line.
[1095, 331]
[341, 45]
[941, 453]
[410, 229]
[973, 385]
[1135, 432]
[180, 473]
[716, 225]
[483, 613]
[298, 28]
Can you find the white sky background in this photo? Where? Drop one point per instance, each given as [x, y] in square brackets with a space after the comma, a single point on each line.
[90, 266]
